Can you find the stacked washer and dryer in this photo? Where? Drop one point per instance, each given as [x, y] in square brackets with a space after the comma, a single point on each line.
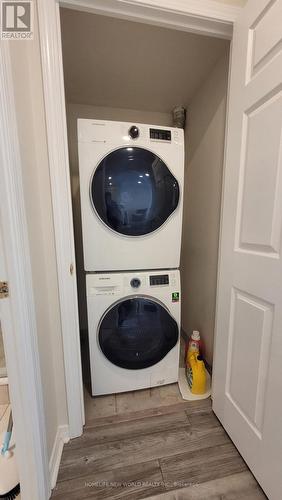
[131, 189]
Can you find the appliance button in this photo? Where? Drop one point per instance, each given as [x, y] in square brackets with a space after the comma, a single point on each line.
[133, 132]
[135, 282]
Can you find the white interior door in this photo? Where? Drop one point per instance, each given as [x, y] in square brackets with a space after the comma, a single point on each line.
[248, 351]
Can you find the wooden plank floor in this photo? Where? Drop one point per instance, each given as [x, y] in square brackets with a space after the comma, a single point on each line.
[152, 444]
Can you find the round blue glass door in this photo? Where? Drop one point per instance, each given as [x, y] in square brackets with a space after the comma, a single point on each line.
[137, 333]
[133, 191]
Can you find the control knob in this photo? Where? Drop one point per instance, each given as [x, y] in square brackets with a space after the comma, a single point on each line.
[133, 132]
[135, 282]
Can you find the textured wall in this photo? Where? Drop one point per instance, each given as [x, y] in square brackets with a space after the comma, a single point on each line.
[203, 180]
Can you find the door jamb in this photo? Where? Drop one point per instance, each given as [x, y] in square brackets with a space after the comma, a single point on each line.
[205, 17]
[18, 309]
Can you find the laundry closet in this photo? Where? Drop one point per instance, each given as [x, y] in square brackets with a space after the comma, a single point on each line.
[122, 81]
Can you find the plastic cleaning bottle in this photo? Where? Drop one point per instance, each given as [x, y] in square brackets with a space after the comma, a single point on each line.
[194, 344]
[196, 373]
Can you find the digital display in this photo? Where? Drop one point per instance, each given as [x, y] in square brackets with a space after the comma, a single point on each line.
[161, 279]
[161, 135]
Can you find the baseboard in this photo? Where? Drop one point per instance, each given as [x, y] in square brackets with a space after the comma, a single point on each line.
[61, 438]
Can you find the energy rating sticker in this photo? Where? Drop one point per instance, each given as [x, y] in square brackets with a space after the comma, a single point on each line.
[175, 296]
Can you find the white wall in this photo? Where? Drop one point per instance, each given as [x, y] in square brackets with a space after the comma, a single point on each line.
[166, 66]
[75, 111]
[32, 135]
[203, 179]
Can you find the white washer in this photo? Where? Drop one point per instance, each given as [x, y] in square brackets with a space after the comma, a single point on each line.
[131, 190]
[134, 330]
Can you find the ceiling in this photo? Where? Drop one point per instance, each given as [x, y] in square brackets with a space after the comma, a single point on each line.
[118, 63]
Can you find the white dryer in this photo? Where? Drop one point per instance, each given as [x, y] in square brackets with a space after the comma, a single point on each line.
[134, 330]
[131, 190]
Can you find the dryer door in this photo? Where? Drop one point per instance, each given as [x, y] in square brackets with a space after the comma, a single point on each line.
[133, 192]
[137, 333]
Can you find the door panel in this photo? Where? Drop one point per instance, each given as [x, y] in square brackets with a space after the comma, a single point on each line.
[260, 223]
[265, 35]
[248, 349]
[248, 355]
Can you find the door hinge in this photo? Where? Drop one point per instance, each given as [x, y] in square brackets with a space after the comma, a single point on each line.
[4, 289]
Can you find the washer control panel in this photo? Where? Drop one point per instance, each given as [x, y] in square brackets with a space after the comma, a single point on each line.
[160, 279]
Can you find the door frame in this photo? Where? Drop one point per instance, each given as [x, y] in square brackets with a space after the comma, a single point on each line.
[17, 311]
[206, 17]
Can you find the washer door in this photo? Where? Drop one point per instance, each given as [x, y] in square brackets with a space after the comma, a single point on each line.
[137, 333]
[133, 191]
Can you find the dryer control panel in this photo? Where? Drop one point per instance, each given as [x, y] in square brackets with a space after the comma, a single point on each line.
[160, 134]
[160, 279]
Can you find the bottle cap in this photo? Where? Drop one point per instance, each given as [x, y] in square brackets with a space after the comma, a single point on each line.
[196, 335]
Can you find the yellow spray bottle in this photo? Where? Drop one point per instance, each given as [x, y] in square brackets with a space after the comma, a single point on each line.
[196, 373]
